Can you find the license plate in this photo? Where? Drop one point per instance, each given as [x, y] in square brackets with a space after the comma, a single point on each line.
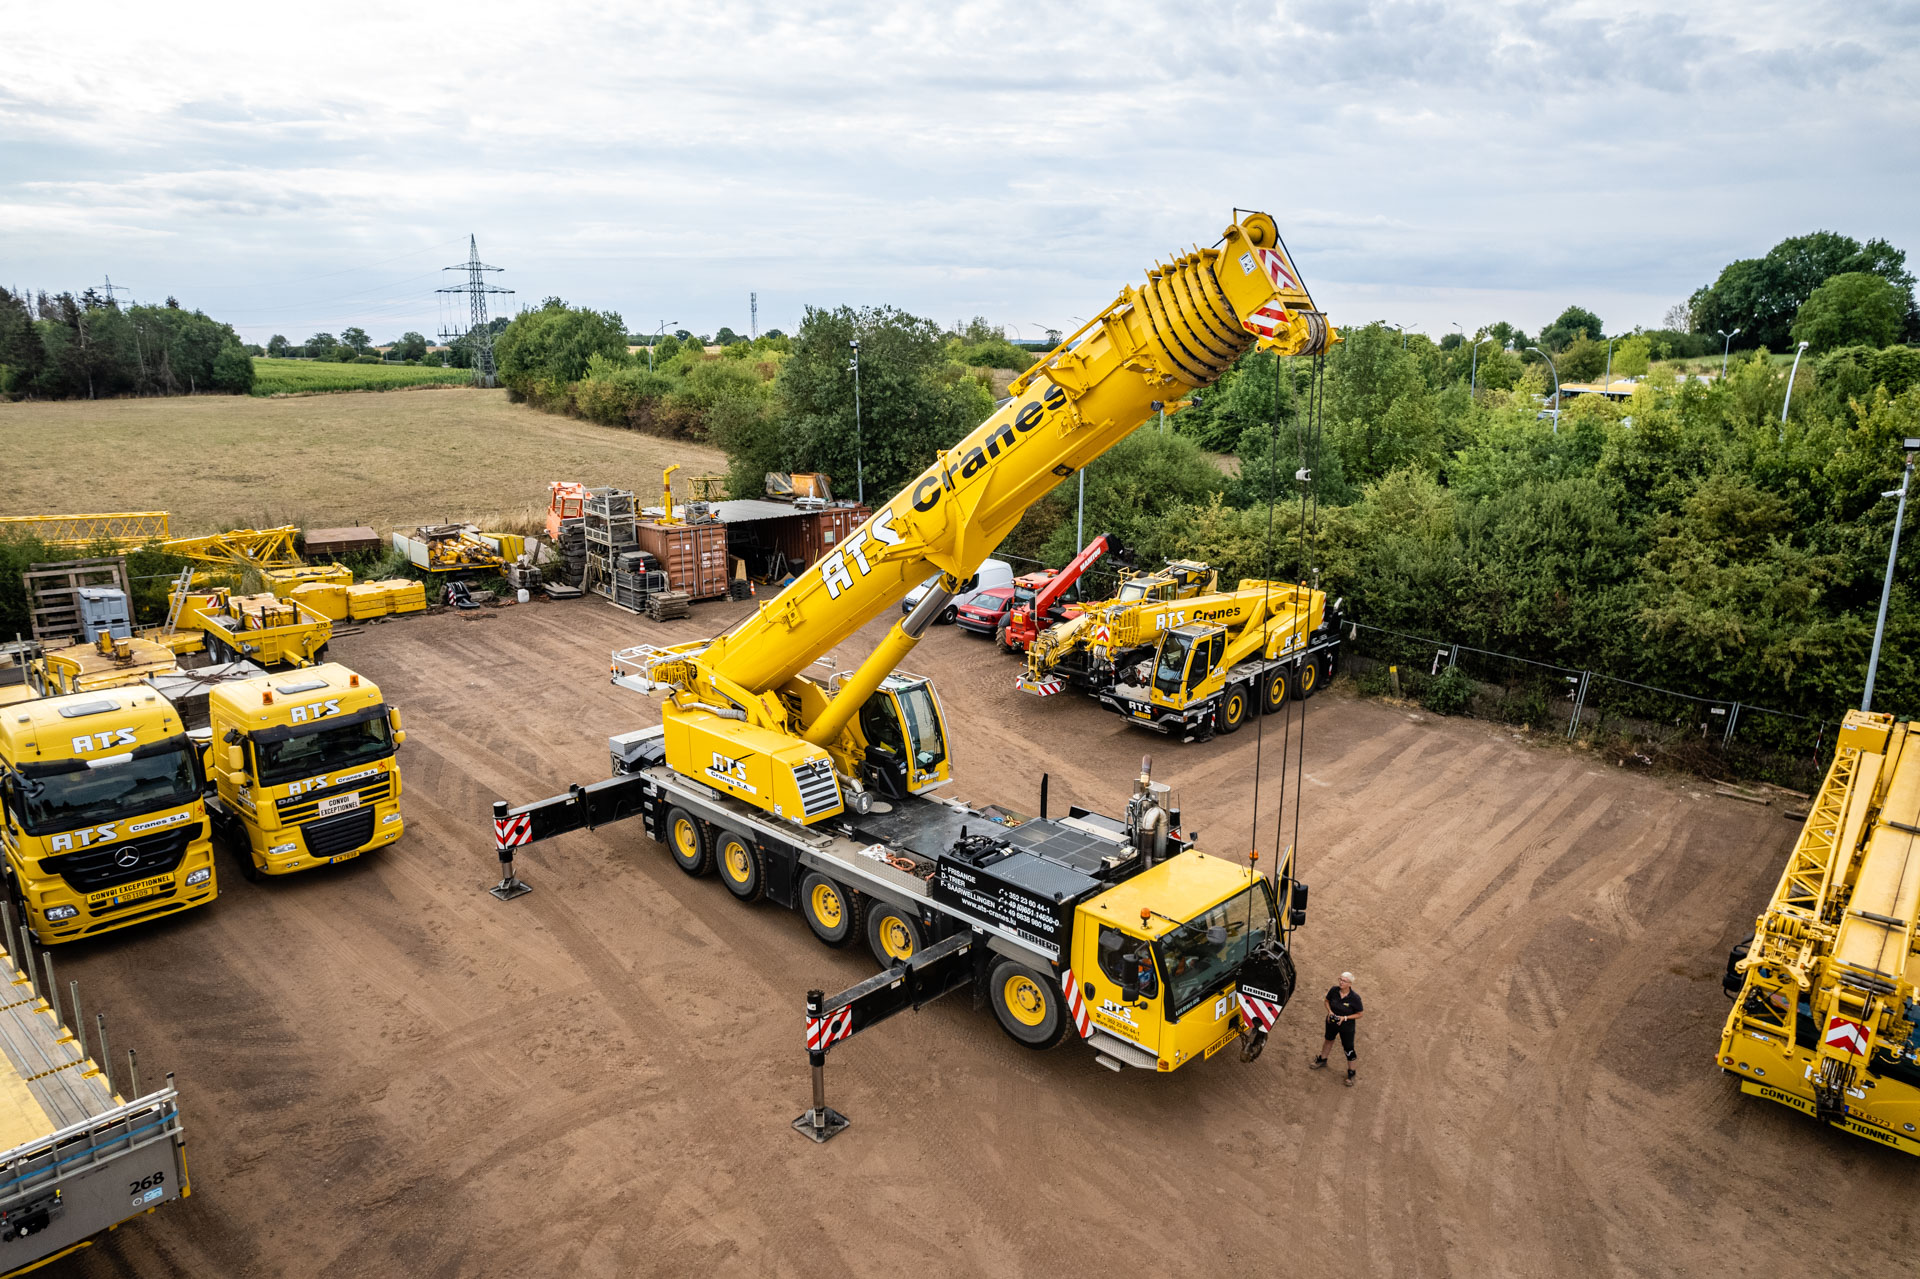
[130, 892]
[337, 804]
[1143, 714]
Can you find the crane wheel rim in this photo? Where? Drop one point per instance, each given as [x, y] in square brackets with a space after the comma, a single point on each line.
[1309, 677]
[1023, 999]
[1276, 692]
[1236, 708]
[896, 938]
[736, 860]
[686, 839]
[826, 906]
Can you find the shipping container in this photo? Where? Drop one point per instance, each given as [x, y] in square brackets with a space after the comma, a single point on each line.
[693, 556]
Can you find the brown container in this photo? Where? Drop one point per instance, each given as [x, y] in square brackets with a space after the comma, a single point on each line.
[807, 535]
[693, 556]
[340, 541]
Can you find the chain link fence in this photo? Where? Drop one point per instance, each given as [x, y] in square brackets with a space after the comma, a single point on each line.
[1627, 720]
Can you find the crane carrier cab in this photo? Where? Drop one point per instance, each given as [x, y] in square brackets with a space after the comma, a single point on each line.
[103, 822]
[305, 767]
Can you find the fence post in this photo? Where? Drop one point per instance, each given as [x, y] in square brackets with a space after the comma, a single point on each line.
[1733, 717]
[1579, 704]
[1453, 658]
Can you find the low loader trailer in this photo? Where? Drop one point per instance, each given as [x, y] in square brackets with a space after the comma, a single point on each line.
[1115, 931]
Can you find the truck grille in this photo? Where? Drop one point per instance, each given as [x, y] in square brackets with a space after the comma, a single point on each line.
[92, 869]
[340, 834]
[819, 791]
[298, 808]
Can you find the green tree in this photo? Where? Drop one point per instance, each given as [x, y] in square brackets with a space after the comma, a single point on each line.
[321, 346]
[1574, 322]
[1761, 296]
[541, 351]
[1380, 413]
[22, 355]
[278, 346]
[409, 346]
[726, 337]
[356, 337]
[914, 401]
[1857, 307]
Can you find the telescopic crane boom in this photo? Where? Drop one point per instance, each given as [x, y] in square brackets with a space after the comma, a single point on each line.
[744, 715]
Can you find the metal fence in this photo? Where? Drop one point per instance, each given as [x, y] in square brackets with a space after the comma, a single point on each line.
[1631, 721]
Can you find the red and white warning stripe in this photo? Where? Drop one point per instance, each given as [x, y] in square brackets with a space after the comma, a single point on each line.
[1257, 1014]
[1276, 269]
[511, 832]
[1038, 687]
[823, 1032]
[1076, 1006]
[1850, 1035]
[1268, 320]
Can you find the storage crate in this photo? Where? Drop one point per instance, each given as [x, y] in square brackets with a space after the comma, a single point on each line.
[693, 556]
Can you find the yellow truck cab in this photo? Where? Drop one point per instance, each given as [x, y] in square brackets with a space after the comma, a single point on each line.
[103, 822]
[1153, 979]
[305, 768]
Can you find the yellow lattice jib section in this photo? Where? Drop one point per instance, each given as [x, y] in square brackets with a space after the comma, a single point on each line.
[260, 548]
[123, 528]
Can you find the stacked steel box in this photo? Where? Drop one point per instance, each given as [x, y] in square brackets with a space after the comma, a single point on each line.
[608, 526]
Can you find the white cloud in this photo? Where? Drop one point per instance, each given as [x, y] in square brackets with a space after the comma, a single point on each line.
[1430, 162]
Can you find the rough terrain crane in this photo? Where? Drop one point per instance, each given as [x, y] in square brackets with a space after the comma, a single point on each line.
[810, 787]
[1228, 657]
[1826, 1013]
[1034, 607]
[1087, 652]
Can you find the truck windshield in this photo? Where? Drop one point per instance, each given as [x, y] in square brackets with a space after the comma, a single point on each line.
[326, 748]
[1022, 595]
[1131, 591]
[1172, 666]
[923, 727]
[1201, 954]
[158, 776]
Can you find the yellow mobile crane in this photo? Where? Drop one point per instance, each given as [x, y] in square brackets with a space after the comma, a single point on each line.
[812, 790]
[1224, 658]
[1826, 1014]
[1085, 652]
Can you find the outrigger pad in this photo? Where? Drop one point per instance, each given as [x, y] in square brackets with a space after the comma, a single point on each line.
[833, 1124]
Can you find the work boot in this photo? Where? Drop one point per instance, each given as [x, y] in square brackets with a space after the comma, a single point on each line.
[1319, 1063]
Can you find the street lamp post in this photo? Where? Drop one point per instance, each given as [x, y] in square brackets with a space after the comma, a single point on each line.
[657, 335]
[1886, 585]
[1796, 373]
[1556, 385]
[859, 464]
[1724, 348]
[1610, 342]
[1473, 371]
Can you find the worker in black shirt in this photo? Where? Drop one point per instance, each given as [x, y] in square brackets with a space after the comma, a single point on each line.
[1343, 1010]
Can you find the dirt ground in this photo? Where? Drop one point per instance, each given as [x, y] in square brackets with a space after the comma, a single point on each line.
[385, 1071]
[388, 459]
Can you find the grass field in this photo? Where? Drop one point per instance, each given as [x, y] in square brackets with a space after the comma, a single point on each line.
[300, 377]
[389, 461]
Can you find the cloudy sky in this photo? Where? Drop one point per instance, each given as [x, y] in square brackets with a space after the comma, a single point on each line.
[293, 169]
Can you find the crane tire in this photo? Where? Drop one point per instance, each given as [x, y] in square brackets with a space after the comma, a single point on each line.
[893, 934]
[834, 912]
[1003, 640]
[1028, 1005]
[1309, 679]
[1236, 704]
[688, 842]
[1274, 691]
[743, 867]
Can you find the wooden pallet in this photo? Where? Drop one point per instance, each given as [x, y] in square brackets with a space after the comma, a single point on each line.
[53, 592]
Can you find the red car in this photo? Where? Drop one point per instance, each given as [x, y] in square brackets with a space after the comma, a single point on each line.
[986, 610]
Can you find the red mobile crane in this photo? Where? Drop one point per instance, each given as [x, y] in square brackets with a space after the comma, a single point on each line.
[1036, 595]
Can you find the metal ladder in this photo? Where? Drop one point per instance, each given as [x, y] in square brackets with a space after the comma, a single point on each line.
[179, 600]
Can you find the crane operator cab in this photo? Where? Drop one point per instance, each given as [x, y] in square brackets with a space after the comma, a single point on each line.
[903, 738]
[1185, 666]
[1179, 580]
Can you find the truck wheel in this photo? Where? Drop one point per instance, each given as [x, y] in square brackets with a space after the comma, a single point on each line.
[1273, 691]
[742, 866]
[1234, 708]
[1309, 677]
[687, 841]
[894, 934]
[1002, 640]
[832, 912]
[1029, 1005]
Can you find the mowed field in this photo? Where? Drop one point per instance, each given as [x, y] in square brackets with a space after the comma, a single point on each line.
[386, 459]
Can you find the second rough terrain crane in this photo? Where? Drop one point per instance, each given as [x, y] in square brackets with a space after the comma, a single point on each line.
[1033, 613]
[811, 789]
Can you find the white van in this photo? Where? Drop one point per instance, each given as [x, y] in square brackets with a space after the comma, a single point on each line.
[992, 573]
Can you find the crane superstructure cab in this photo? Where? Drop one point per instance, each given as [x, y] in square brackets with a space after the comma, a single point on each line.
[1826, 1012]
[305, 767]
[104, 824]
[1225, 658]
